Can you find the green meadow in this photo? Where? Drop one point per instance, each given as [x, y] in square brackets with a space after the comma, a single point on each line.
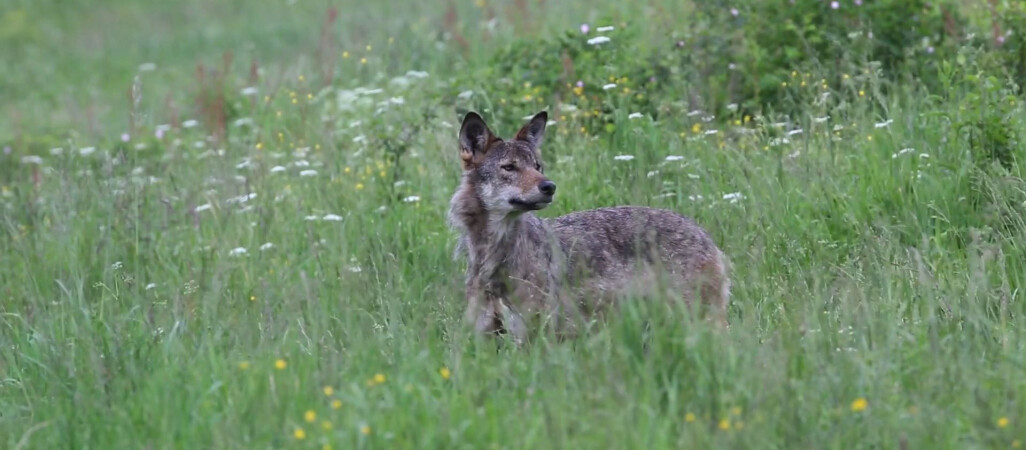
[223, 223]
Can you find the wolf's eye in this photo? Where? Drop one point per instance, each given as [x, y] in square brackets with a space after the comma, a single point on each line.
[537, 167]
[509, 167]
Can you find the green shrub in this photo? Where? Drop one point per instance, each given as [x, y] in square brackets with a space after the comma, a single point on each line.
[774, 39]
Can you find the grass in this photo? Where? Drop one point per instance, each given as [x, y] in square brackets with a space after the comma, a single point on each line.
[874, 305]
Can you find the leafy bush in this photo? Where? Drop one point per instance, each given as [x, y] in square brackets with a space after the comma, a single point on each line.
[598, 70]
[774, 39]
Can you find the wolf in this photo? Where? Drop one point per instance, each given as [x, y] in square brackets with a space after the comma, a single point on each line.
[524, 272]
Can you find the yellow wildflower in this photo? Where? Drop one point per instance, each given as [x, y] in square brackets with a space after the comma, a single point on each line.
[724, 424]
[366, 429]
[444, 372]
[299, 433]
[1002, 422]
[279, 364]
[244, 365]
[689, 417]
[336, 404]
[310, 416]
[329, 391]
[860, 404]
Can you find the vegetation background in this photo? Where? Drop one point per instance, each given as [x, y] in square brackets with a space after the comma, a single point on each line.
[223, 222]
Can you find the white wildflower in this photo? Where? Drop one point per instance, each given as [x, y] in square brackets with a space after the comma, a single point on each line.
[711, 132]
[332, 218]
[733, 197]
[244, 121]
[924, 155]
[693, 176]
[606, 87]
[117, 265]
[31, 159]
[56, 151]
[301, 163]
[821, 119]
[883, 124]
[605, 29]
[652, 173]
[795, 131]
[242, 198]
[189, 123]
[597, 40]
[238, 251]
[266, 246]
[417, 74]
[86, 151]
[674, 158]
[277, 169]
[151, 286]
[244, 164]
[465, 95]
[308, 173]
[696, 198]
[203, 207]
[147, 67]
[902, 152]
[412, 199]
[623, 157]
[635, 115]
[251, 90]
[732, 107]
[312, 218]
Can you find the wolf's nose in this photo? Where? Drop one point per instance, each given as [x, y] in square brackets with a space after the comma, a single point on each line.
[547, 187]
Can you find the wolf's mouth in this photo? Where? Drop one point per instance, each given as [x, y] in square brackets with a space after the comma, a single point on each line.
[530, 206]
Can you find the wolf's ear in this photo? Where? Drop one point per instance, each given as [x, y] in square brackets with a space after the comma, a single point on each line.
[534, 131]
[475, 137]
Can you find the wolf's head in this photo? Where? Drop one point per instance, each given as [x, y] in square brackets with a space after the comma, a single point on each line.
[506, 175]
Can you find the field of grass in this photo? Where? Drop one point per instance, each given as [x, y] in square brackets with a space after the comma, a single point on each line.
[203, 251]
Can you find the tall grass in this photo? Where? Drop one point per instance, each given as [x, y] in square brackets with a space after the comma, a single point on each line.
[290, 283]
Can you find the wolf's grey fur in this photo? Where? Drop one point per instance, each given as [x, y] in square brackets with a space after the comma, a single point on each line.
[522, 268]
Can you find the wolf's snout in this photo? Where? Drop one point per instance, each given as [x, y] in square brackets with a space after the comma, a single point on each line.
[547, 187]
